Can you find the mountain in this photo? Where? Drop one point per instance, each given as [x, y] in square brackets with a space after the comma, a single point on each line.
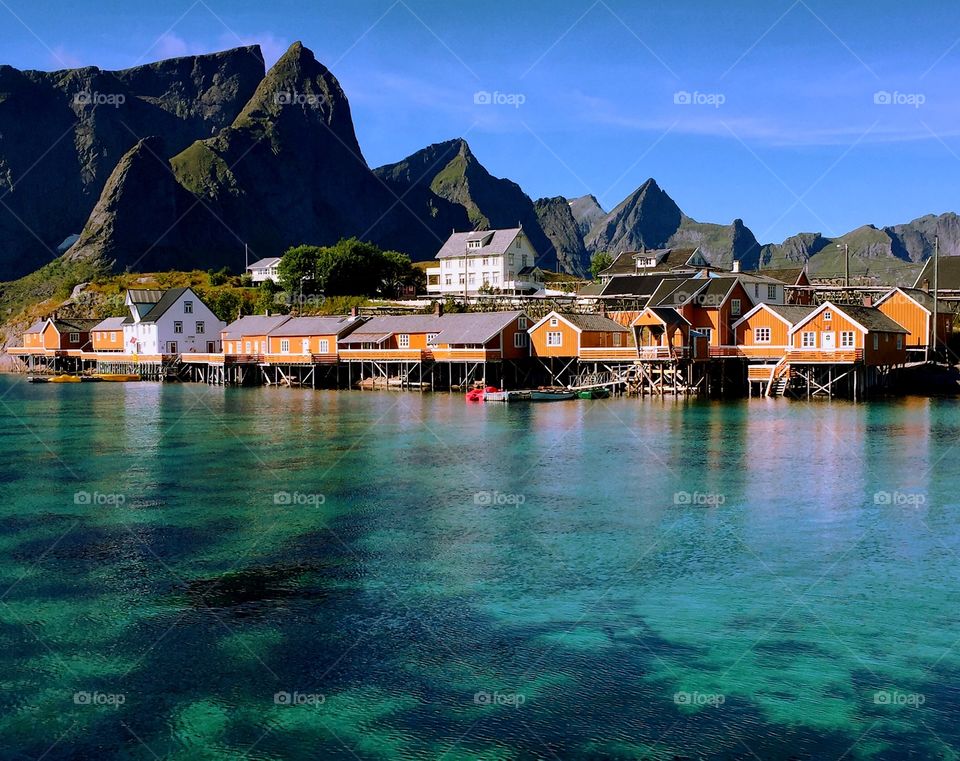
[447, 176]
[649, 218]
[62, 134]
[586, 211]
[559, 225]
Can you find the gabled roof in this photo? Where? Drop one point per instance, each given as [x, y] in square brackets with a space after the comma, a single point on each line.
[315, 326]
[634, 285]
[676, 291]
[948, 274]
[167, 300]
[37, 327]
[922, 298]
[494, 242]
[142, 296]
[787, 313]
[111, 323]
[625, 263]
[380, 328]
[667, 315]
[790, 275]
[472, 327]
[585, 322]
[866, 318]
[253, 325]
[70, 325]
[262, 264]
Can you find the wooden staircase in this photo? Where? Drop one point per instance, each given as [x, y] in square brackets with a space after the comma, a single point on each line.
[780, 377]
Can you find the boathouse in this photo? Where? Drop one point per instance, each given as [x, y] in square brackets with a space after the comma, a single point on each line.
[913, 309]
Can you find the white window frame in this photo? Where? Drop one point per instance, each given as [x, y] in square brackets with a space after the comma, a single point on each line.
[848, 339]
[735, 306]
[201, 327]
[876, 341]
[808, 339]
[188, 307]
[403, 340]
[554, 322]
[522, 323]
[324, 345]
[284, 345]
[761, 335]
[521, 340]
[772, 292]
[178, 326]
[248, 347]
[828, 316]
[74, 338]
[617, 339]
[555, 338]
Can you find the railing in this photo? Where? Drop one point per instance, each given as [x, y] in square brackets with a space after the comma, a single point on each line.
[373, 355]
[467, 355]
[300, 359]
[608, 352]
[206, 358]
[825, 356]
[759, 372]
[726, 351]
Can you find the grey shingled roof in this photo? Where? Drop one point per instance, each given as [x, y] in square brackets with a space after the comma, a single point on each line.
[380, 328]
[144, 296]
[948, 274]
[166, 301]
[669, 258]
[635, 285]
[111, 323]
[253, 325]
[872, 319]
[69, 325]
[262, 264]
[676, 291]
[37, 327]
[594, 322]
[669, 315]
[792, 314]
[499, 241]
[790, 276]
[316, 326]
[473, 328]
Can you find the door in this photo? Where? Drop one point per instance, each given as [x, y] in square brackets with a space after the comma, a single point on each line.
[211, 347]
[171, 347]
[829, 340]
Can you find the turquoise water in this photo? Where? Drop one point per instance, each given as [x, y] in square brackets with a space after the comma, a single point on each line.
[205, 573]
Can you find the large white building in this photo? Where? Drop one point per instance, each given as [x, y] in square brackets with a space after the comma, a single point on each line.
[502, 260]
[170, 322]
[265, 269]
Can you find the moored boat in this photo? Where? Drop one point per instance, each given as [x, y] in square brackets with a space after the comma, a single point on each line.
[64, 379]
[552, 395]
[594, 393]
[116, 377]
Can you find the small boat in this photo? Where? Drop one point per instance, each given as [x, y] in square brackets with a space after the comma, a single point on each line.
[64, 379]
[552, 395]
[496, 396]
[480, 394]
[116, 377]
[594, 393]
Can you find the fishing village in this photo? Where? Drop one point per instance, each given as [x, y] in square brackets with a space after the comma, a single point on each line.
[657, 322]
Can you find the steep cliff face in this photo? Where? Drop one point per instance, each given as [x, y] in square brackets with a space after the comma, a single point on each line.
[558, 224]
[586, 211]
[62, 134]
[647, 218]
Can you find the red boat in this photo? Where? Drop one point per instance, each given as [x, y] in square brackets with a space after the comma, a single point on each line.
[477, 394]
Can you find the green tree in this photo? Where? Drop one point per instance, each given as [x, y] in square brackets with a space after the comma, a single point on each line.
[599, 262]
[299, 269]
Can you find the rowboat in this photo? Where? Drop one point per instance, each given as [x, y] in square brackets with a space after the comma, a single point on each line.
[64, 379]
[116, 377]
[594, 393]
[496, 396]
[552, 395]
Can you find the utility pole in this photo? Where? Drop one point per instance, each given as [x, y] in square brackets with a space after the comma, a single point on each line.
[936, 283]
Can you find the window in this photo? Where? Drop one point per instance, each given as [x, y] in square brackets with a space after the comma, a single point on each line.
[756, 290]
[511, 258]
[554, 322]
[431, 336]
[772, 292]
[475, 244]
[178, 327]
[616, 339]
[522, 323]
[523, 259]
[827, 316]
[461, 280]
[74, 338]
[285, 346]
[876, 341]
[449, 280]
[707, 333]
[200, 326]
[899, 340]
[324, 345]
[555, 338]
[520, 340]
[808, 340]
[248, 347]
[403, 341]
[496, 278]
[735, 307]
[113, 336]
[761, 335]
[472, 278]
[846, 339]
[188, 307]
[485, 262]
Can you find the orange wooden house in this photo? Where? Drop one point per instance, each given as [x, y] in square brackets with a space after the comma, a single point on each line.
[662, 333]
[710, 305]
[836, 334]
[481, 337]
[913, 309]
[763, 333]
[308, 340]
[245, 339]
[107, 335]
[587, 337]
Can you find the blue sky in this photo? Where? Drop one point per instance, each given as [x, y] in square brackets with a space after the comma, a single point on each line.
[766, 111]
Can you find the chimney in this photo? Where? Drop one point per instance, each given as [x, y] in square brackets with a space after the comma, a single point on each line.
[268, 313]
[438, 309]
[926, 285]
[868, 301]
[736, 265]
[354, 311]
